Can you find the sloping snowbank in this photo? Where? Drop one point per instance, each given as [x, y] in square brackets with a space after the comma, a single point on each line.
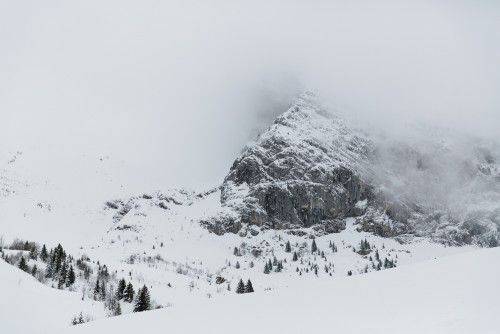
[27, 306]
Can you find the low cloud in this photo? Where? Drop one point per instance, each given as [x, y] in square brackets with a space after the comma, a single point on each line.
[172, 86]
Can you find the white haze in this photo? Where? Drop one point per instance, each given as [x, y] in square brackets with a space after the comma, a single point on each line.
[173, 90]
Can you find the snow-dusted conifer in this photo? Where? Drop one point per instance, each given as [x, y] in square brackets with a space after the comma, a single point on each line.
[314, 248]
[241, 287]
[248, 287]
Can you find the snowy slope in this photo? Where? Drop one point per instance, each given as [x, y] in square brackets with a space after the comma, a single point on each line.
[456, 294]
[27, 306]
[306, 164]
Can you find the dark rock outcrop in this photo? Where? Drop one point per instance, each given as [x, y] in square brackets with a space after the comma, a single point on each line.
[302, 172]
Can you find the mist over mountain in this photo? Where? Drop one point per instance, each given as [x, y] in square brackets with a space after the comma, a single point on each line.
[129, 80]
[221, 163]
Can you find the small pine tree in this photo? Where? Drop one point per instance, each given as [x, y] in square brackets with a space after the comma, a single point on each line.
[23, 265]
[97, 290]
[266, 269]
[143, 300]
[121, 289]
[295, 257]
[249, 287]
[314, 248]
[70, 279]
[333, 247]
[237, 266]
[62, 275]
[34, 253]
[288, 247]
[128, 294]
[34, 270]
[241, 287]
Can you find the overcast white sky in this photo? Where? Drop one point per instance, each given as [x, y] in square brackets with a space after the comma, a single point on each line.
[175, 88]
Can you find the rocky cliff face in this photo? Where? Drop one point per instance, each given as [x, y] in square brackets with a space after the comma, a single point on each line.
[304, 170]
[310, 170]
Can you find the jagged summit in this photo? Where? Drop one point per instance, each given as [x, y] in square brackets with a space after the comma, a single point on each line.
[304, 143]
[304, 170]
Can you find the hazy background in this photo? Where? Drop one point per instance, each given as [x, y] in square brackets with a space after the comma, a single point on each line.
[168, 92]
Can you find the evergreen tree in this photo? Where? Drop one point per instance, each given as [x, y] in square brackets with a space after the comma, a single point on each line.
[288, 247]
[60, 256]
[97, 290]
[120, 291]
[143, 300]
[248, 287]
[23, 265]
[128, 293]
[62, 275]
[295, 257]
[266, 268]
[333, 247]
[70, 279]
[237, 265]
[279, 267]
[34, 270]
[78, 321]
[314, 248]
[241, 287]
[34, 253]
[50, 264]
